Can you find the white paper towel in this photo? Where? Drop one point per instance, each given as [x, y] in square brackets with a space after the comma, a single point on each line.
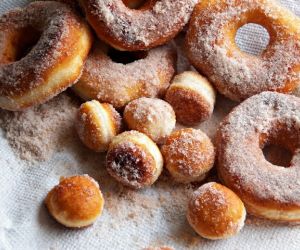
[131, 220]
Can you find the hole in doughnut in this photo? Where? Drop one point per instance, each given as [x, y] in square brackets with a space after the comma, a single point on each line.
[126, 57]
[134, 4]
[277, 155]
[252, 38]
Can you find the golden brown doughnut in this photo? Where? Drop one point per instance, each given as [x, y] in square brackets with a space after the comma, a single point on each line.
[211, 47]
[134, 159]
[61, 41]
[215, 212]
[76, 201]
[151, 116]
[268, 191]
[192, 97]
[156, 23]
[118, 83]
[97, 123]
[188, 155]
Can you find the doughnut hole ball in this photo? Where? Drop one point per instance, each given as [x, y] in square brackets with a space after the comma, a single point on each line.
[192, 98]
[151, 116]
[215, 212]
[76, 201]
[188, 155]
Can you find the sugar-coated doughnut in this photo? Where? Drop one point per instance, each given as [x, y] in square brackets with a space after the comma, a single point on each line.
[211, 47]
[134, 159]
[118, 83]
[61, 41]
[268, 191]
[76, 201]
[188, 155]
[151, 116]
[215, 212]
[192, 97]
[97, 123]
[156, 23]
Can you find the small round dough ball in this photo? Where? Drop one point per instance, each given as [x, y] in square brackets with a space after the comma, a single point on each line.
[97, 123]
[192, 98]
[189, 155]
[134, 159]
[151, 116]
[76, 201]
[215, 212]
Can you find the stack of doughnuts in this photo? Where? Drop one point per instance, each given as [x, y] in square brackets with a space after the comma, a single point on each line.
[120, 59]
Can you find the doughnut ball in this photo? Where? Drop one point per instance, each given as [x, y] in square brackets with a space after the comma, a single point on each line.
[215, 212]
[134, 159]
[153, 117]
[192, 98]
[97, 123]
[76, 201]
[189, 155]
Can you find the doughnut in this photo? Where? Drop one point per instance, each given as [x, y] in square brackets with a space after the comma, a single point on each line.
[151, 116]
[76, 201]
[156, 23]
[215, 212]
[188, 155]
[118, 83]
[211, 47]
[60, 42]
[134, 159]
[268, 190]
[192, 98]
[97, 123]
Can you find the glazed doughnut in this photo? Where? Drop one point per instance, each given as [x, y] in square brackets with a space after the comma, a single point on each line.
[268, 191]
[118, 83]
[134, 159]
[156, 23]
[211, 47]
[192, 98]
[215, 212]
[188, 155]
[76, 201]
[153, 117]
[61, 42]
[97, 123]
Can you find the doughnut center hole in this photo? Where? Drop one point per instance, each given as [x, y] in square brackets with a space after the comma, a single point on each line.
[134, 4]
[126, 57]
[277, 155]
[252, 38]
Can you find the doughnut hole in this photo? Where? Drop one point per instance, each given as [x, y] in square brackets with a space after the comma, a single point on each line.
[135, 4]
[126, 57]
[252, 38]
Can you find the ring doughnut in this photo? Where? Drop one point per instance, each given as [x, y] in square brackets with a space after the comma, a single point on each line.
[215, 212]
[268, 191]
[211, 47]
[117, 83]
[134, 159]
[192, 98]
[97, 123]
[156, 23]
[188, 155]
[61, 42]
[151, 116]
[76, 201]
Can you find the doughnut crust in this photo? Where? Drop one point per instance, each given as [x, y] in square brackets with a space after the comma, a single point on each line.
[76, 201]
[156, 23]
[97, 123]
[215, 212]
[118, 84]
[268, 191]
[151, 116]
[188, 155]
[211, 47]
[61, 41]
[192, 97]
[134, 159]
